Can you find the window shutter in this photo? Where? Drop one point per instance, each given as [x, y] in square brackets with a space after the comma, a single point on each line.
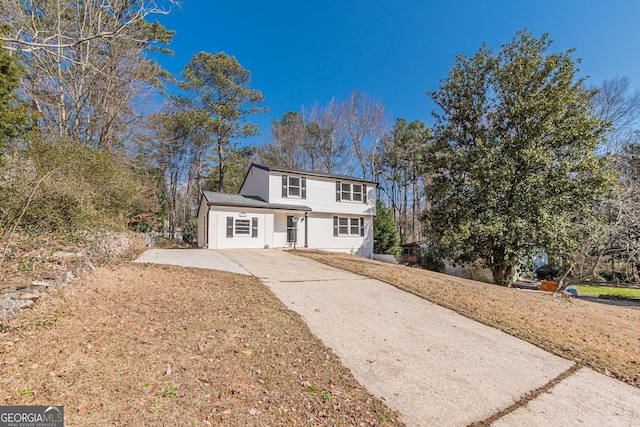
[364, 193]
[361, 227]
[303, 185]
[337, 191]
[254, 227]
[335, 226]
[229, 226]
[285, 181]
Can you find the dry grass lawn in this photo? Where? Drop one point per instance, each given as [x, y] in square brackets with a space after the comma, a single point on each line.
[603, 337]
[153, 345]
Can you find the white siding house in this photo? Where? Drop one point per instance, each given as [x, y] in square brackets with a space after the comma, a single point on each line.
[280, 207]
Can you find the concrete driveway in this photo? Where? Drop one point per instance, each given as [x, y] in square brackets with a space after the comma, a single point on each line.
[198, 258]
[434, 366]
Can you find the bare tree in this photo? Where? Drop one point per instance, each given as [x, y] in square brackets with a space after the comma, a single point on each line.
[366, 124]
[614, 102]
[86, 63]
[290, 135]
[342, 137]
[332, 134]
[37, 26]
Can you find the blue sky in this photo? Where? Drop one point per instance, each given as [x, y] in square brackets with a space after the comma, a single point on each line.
[303, 52]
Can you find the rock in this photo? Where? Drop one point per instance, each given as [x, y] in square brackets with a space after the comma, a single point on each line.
[8, 306]
[12, 286]
[42, 284]
[50, 275]
[85, 265]
[23, 303]
[68, 277]
[6, 302]
[31, 295]
[64, 256]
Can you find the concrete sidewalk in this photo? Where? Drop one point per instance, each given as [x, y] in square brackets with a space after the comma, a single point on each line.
[434, 366]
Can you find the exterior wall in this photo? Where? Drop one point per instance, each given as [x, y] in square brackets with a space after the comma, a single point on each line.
[257, 183]
[321, 236]
[321, 196]
[272, 232]
[202, 215]
[218, 228]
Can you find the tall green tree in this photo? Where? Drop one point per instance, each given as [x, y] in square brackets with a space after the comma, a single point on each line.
[385, 233]
[219, 85]
[404, 155]
[14, 115]
[514, 161]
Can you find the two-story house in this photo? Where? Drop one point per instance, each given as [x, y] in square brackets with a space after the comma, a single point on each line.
[279, 207]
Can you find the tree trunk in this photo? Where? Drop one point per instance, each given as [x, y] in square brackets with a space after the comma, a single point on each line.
[220, 166]
[502, 274]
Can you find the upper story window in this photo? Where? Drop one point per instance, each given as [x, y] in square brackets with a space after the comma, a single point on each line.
[349, 192]
[294, 186]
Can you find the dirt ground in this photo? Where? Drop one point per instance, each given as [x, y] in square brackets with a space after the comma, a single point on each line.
[159, 345]
[603, 337]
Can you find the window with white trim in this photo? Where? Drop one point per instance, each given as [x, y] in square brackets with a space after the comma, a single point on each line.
[356, 192]
[345, 191]
[294, 186]
[351, 192]
[354, 226]
[344, 226]
[242, 227]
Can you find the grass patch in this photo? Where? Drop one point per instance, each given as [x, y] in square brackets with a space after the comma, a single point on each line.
[607, 291]
[603, 337]
[140, 344]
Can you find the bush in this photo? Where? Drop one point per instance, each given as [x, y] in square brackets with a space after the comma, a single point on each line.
[63, 185]
[549, 272]
[190, 231]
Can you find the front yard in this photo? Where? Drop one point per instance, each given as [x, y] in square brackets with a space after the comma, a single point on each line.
[153, 345]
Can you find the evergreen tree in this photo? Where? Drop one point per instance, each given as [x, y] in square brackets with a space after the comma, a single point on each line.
[385, 234]
[514, 163]
[221, 86]
[14, 115]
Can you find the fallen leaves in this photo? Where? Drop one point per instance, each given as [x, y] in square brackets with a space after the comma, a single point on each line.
[226, 344]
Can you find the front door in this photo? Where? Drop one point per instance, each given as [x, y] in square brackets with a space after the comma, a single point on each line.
[291, 229]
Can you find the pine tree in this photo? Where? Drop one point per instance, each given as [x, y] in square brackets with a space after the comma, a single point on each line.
[385, 234]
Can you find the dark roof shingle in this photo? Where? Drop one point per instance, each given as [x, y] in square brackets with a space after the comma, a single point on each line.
[243, 201]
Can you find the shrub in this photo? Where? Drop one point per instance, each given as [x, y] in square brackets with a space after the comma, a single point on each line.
[63, 185]
[190, 231]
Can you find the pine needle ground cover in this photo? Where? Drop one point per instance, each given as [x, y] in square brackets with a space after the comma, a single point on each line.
[159, 345]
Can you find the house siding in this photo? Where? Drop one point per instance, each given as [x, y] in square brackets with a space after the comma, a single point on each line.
[321, 236]
[203, 211]
[258, 183]
[321, 196]
[218, 228]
